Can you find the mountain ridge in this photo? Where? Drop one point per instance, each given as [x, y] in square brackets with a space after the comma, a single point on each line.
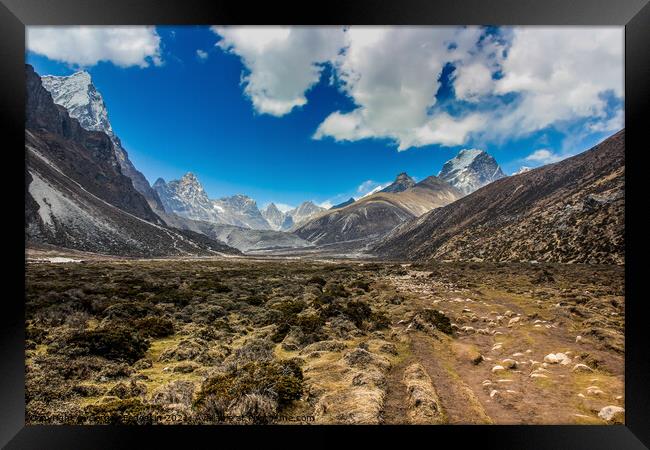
[571, 211]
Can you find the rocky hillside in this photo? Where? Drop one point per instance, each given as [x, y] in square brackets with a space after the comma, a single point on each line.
[375, 215]
[570, 212]
[470, 170]
[84, 102]
[77, 197]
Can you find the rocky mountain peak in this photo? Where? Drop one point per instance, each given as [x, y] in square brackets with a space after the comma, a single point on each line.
[402, 182]
[273, 216]
[470, 170]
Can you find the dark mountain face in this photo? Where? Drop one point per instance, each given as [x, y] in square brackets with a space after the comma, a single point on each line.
[86, 156]
[84, 102]
[343, 204]
[570, 212]
[77, 196]
[401, 183]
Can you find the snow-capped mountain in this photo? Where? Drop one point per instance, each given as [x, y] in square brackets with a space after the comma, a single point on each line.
[470, 170]
[79, 96]
[289, 220]
[77, 197]
[273, 216]
[187, 198]
[401, 183]
[242, 211]
[523, 169]
[305, 212]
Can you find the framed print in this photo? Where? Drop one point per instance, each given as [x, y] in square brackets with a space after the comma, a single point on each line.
[376, 218]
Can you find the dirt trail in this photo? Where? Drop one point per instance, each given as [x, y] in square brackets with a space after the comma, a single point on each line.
[457, 399]
[395, 408]
[503, 328]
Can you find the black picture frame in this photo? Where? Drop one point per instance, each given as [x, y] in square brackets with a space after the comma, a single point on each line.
[633, 14]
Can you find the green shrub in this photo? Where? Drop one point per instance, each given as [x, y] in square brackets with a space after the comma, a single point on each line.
[282, 381]
[127, 310]
[155, 327]
[113, 343]
[438, 320]
[336, 290]
[357, 312]
[320, 281]
[360, 284]
[281, 331]
[379, 320]
[255, 300]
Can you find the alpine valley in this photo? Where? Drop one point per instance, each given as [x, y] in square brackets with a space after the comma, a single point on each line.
[467, 296]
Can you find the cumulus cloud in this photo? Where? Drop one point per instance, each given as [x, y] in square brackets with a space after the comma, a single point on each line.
[327, 204]
[369, 187]
[392, 74]
[202, 54]
[124, 46]
[282, 63]
[560, 74]
[515, 81]
[545, 156]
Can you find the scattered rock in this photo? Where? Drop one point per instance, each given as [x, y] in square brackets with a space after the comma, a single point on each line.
[551, 359]
[497, 368]
[513, 321]
[538, 375]
[582, 368]
[509, 363]
[612, 414]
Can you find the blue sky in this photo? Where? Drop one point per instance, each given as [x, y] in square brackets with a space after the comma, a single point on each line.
[301, 116]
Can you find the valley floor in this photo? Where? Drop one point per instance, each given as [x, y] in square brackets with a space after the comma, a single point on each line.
[302, 341]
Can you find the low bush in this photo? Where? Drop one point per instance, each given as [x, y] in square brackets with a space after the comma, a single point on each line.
[114, 343]
[155, 327]
[281, 381]
[438, 320]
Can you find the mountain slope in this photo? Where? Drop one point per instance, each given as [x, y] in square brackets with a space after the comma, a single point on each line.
[570, 212]
[77, 197]
[84, 102]
[243, 239]
[470, 170]
[343, 204]
[375, 215]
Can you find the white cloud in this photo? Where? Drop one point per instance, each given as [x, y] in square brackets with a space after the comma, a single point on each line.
[327, 204]
[615, 123]
[283, 63]
[202, 54]
[392, 74]
[550, 76]
[544, 156]
[369, 187]
[124, 46]
[561, 74]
